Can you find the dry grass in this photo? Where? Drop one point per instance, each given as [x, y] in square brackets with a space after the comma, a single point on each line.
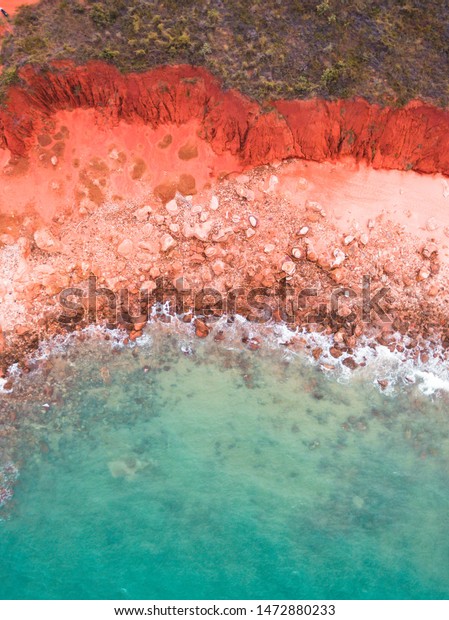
[388, 51]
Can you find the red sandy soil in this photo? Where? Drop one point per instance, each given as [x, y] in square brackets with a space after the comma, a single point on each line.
[12, 5]
[128, 160]
[92, 157]
[415, 137]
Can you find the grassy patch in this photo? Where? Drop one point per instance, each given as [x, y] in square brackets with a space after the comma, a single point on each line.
[387, 51]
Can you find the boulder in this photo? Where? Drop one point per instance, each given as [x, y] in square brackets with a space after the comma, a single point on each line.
[201, 329]
[125, 248]
[46, 242]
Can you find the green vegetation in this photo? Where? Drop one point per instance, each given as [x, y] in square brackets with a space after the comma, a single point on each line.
[388, 51]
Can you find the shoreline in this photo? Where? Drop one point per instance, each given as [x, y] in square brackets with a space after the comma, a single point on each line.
[387, 367]
[254, 244]
[412, 137]
[334, 246]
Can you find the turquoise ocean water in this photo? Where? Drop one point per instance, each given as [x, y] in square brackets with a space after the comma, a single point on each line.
[184, 469]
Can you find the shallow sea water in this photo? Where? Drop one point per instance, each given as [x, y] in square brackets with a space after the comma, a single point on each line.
[179, 470]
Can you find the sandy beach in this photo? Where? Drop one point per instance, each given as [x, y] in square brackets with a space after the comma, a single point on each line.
[113, 207]
[134, 192]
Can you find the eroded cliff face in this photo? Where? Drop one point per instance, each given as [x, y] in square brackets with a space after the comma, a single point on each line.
[415, 137]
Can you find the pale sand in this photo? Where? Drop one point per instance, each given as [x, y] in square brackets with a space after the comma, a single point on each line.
[350, 193]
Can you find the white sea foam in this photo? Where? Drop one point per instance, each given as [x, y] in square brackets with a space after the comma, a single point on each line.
[3, 382]
[431, 383]
[375, 363]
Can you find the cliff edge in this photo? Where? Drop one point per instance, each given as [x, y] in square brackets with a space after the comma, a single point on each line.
[414, 137]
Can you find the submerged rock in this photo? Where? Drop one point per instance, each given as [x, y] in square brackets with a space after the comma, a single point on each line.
[201, 329]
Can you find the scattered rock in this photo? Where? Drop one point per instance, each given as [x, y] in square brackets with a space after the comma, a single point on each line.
[147, 229]
[339, 258]
[317, 352]
[253, 221]
[125, 248]
[218, 267]
[335, 352]
[167, 243]
[429, 249]
[303, 231]
[223, 234]
[201, 231]
[24, 245]
[339, 337]
[423, 274]
[269, 187]
[324, 262]
[337, 275]
[445, 189]
[246, 193]
[296, 253]
[172, 207]
[389, 268]
[142, 214]
[434, 267]
[46, 241]
[253, 344]
[138, 327]
[364, 239]
[152, 246]
[210, 251]
[350, 362]
[312, 256]
[315, 206]
[201, 329]
[148, 285]
[214, 204]
[289, 267]
[54, 160]
[135, 334]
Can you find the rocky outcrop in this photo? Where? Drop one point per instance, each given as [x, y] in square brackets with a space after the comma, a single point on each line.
[415, 137]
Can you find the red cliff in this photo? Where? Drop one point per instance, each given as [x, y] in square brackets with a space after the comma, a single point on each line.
[413, 137]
